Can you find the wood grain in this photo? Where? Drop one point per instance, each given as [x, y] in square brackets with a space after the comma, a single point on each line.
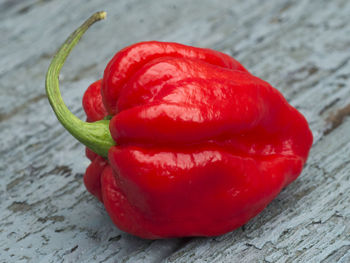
[300, 47]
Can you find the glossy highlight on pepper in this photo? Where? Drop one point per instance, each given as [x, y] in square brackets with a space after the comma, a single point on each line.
[197, 145]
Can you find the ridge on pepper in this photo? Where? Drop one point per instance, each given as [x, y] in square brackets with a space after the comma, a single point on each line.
[198, 144]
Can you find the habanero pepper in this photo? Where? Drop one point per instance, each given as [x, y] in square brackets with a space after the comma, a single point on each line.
[183, 141]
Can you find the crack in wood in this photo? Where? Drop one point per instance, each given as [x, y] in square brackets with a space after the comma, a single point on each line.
[335, 119]
[15, 111]
[19, 207]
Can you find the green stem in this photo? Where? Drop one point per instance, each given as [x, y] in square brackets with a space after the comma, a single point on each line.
[95, 135]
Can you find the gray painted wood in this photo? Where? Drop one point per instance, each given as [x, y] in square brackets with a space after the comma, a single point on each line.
[301, 47]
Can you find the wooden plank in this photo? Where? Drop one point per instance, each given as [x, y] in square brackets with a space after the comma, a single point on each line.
[300, 47]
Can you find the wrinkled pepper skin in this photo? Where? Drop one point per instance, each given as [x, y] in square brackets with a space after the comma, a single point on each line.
[202, 145]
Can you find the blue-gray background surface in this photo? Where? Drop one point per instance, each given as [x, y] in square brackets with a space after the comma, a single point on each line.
[301, 47]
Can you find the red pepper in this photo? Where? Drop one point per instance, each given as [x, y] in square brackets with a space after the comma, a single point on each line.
[184, 141]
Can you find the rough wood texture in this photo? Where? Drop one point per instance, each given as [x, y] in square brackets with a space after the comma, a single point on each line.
[301, 47]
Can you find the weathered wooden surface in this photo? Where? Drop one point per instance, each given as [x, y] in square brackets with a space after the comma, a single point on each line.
[301, 47]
